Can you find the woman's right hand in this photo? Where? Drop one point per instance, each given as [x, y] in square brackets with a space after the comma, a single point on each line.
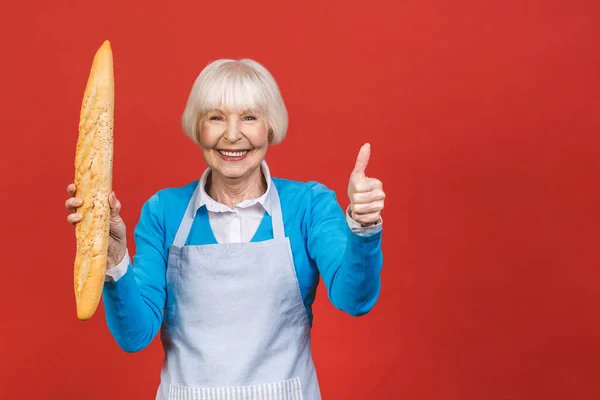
[117, 246]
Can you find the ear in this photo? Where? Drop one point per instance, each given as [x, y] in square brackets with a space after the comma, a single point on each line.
[271, 136]
[197, 136]
[199, 125]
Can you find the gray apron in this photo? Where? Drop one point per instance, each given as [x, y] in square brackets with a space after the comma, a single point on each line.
[235, 325]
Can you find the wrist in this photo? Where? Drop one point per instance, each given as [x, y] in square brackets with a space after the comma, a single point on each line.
[117, 258]
[361, 224]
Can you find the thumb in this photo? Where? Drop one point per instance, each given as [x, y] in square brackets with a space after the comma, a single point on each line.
[363, 159]
[115, 205]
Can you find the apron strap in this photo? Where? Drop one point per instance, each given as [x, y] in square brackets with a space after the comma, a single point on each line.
[188, 217]
[277, 216]
[187, 221]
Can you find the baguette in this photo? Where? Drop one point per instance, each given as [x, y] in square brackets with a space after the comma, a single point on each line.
[93, 181]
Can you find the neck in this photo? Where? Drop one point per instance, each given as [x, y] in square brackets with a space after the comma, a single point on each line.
[230, 191]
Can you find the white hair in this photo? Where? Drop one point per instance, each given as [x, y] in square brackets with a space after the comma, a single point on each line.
[236, 85]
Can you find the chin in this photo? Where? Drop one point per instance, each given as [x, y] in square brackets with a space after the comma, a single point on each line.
[233, 171]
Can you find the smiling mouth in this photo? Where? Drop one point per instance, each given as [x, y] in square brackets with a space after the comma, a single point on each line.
[235, 154]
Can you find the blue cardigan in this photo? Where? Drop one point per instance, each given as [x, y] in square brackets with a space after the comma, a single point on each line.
[322, 245]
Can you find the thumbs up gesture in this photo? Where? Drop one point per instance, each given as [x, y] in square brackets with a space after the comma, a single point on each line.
[366, 194]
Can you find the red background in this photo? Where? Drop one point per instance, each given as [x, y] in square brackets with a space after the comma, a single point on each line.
[483, 117]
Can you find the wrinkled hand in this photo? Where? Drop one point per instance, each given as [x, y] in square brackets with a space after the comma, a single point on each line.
[117, 245]
[366, 194]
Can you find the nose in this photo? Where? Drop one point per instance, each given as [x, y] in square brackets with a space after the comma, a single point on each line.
[233, 133]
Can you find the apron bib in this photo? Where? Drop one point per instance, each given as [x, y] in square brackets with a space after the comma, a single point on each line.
[235, 326]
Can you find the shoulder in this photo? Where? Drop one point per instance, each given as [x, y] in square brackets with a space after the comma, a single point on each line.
[307, 198]
[176, 194]
[292, 189]
[171, 198]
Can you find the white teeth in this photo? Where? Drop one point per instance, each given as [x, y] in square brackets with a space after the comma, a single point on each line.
[233, 153]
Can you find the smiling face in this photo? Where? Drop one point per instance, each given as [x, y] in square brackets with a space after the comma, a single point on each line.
[233, 143]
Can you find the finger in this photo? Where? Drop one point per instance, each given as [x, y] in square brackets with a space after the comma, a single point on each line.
[367, 185]
[73, 203]
[74, 218]
[367, 219]
[115, 205]
[369, 208]
[71, 189]
[367, 197]
[363, 159]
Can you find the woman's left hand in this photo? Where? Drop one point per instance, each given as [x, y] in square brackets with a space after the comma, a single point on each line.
[366, 194]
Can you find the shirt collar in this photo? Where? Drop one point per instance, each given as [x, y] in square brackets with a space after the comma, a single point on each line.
[203, 199]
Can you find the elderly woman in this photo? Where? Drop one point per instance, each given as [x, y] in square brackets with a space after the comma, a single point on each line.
[228, 265]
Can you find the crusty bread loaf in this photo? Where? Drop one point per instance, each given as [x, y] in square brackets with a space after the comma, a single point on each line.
[93, 179]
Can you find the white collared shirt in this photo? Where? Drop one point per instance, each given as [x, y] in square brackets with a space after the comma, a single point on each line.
[237, 224]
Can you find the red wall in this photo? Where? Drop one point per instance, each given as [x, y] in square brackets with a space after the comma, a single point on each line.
[483, 117]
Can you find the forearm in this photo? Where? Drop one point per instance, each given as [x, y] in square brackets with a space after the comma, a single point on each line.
[356, 284]
[133, 317]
